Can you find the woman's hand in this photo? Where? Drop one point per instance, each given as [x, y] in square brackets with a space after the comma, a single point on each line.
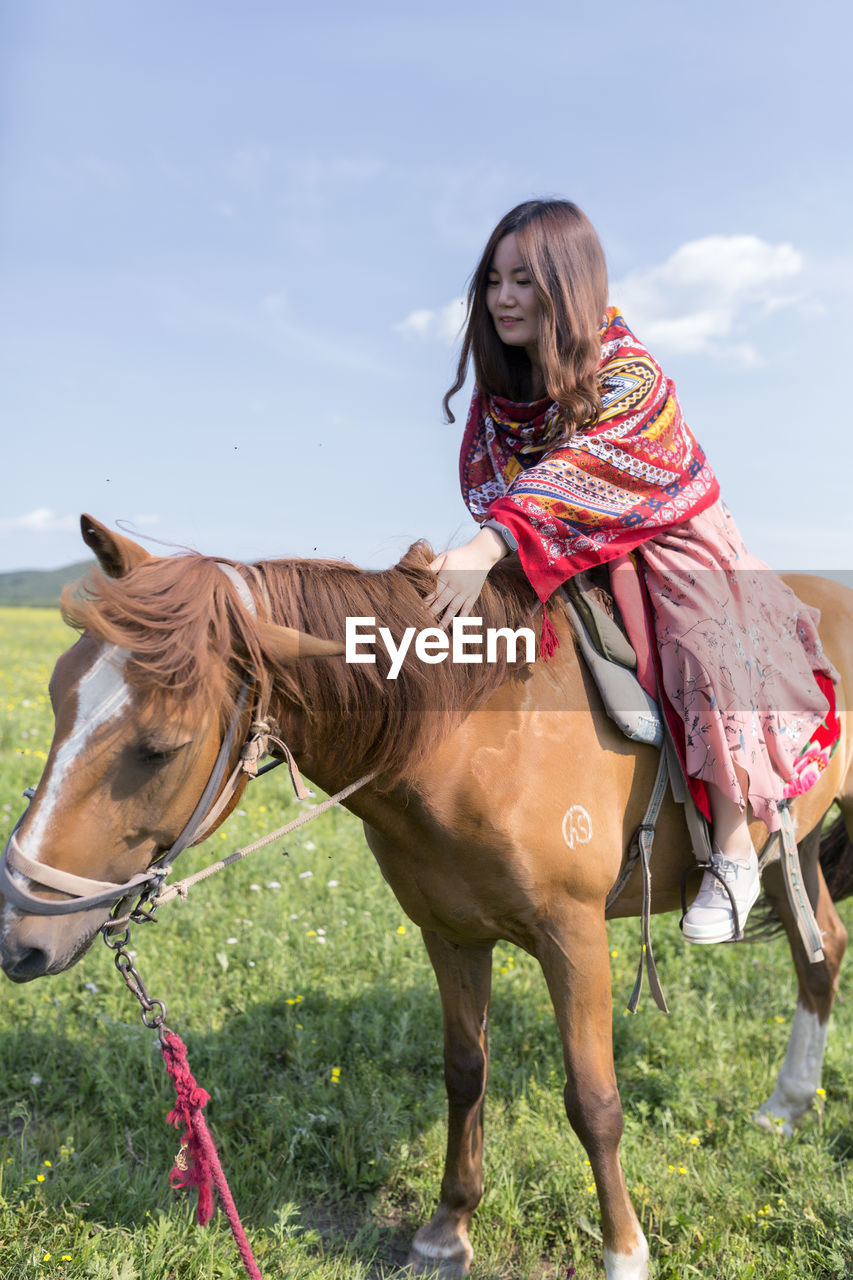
[461, 573]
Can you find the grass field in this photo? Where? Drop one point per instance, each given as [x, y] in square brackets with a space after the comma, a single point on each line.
[310, 1013]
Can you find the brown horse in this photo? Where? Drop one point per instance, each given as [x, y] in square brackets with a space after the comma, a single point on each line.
[501, 808]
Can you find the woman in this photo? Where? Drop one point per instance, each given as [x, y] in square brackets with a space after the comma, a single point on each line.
[575, 453]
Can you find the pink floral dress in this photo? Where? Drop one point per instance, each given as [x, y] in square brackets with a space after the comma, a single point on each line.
[738, 653]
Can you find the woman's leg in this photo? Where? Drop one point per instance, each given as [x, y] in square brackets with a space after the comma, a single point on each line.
[729, 820]
[710, 918]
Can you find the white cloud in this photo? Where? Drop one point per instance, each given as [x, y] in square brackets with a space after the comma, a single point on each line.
[45, 520]
[41, 520]
[702, 298]
[700, 301]
[443, 324]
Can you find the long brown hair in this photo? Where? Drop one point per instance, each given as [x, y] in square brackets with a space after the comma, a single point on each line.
[562, 253]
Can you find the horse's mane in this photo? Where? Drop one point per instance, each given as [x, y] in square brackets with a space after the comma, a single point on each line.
[190, 638]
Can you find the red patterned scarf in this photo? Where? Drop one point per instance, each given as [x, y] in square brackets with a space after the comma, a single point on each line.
[637, 471]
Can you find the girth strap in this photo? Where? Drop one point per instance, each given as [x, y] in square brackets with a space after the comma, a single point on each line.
[643, 840]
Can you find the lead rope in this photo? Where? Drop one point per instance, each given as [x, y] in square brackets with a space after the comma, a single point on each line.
[197, 1163]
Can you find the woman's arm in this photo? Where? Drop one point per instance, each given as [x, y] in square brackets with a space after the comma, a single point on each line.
[461, 573]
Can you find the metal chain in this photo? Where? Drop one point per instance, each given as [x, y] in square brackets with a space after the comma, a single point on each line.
[153, 1010]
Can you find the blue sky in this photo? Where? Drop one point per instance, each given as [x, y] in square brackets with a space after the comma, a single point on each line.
[233, 237]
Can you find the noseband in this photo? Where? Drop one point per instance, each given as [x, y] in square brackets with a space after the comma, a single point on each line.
[86, 894]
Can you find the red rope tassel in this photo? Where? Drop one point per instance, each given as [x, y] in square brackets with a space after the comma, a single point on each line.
[201, 1166]
[549, 642]
[192, 1168]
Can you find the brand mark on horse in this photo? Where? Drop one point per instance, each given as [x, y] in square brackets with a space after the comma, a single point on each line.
[577, 826]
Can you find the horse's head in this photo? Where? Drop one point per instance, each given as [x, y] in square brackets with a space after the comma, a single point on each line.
[129, 762]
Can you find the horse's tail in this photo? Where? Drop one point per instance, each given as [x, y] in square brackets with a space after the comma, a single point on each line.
[836, 859]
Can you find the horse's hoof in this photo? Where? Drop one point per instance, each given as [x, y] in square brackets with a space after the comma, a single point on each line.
[770, 1123]
[446, 1261]
[437, 1268]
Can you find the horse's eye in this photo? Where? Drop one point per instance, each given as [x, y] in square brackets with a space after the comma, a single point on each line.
[156, 755]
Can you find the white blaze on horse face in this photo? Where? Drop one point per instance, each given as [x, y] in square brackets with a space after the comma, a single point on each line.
[577, 826]
[102, 694]
[799, 1078]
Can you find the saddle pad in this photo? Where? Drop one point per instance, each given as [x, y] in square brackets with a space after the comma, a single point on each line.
[603, 631]
[625, 700]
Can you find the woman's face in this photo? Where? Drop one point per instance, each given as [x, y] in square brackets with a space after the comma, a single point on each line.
[511, 298]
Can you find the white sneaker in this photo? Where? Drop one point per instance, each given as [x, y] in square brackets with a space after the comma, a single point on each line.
[710, 918]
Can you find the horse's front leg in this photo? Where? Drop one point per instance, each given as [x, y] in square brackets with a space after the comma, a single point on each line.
[799, 1078]
[574, 956]
[464, 977]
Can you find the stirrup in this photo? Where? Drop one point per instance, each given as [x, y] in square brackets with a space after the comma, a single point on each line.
[719, 876]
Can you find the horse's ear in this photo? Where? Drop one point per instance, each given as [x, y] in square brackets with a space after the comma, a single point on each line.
[116, 555]
[285, 644]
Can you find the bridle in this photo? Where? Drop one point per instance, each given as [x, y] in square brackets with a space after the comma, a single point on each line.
[85, 894]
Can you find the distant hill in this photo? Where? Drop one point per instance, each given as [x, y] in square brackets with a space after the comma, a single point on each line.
[39, 587]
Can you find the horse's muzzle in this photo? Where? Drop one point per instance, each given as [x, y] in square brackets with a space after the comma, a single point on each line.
[36, 946]
[25, 963]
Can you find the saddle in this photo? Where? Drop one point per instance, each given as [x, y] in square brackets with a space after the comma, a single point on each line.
[621, 662]
[611, 658]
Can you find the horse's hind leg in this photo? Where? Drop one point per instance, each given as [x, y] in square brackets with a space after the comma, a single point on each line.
[464, 976]
[574, 957]
[799, 1077]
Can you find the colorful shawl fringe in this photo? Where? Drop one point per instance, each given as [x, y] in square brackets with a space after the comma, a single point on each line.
[635, 472]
